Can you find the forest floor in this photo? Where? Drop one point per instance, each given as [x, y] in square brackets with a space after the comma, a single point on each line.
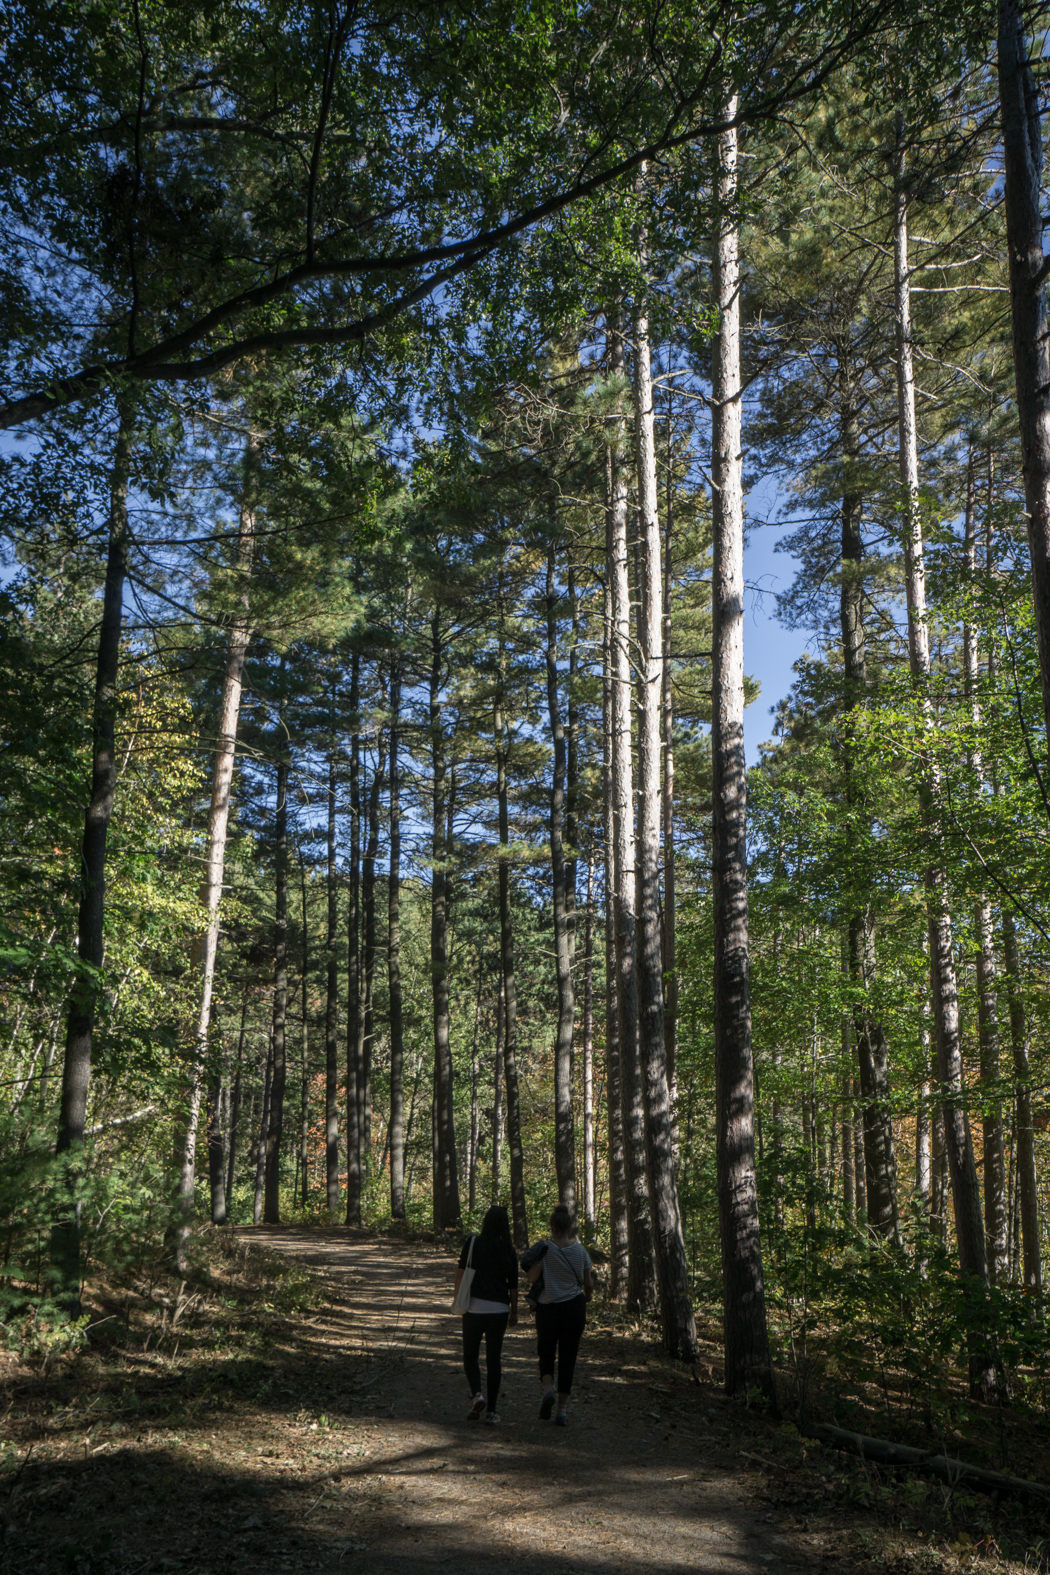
[311, 1416]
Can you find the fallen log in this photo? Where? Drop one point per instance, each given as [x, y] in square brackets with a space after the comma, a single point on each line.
[956, 1473]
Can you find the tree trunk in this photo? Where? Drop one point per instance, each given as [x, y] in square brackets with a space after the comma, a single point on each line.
[354, 1002]
[670, 964]
[987, 1006]
[497, 1096]
[849, 1201]
[275, 1130]
[1028, 1195]
[304, 1093]
[519, 1213]
[640, 1286]
[1022, 168]
[235, 1107]
[264, 1134]
[205, 947]
[564, 1136]
[216, 1166]
[446, 1179]
[80, 1020]
[966, 1196]
[873, 1058]
[397, 1021]
[672, 1267]
[588, 1052]
[331, 1016]
[747, 1355]
[618, 1224]
[368, 904]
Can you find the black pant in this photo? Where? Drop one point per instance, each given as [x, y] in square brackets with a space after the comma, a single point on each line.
[493, 1326]
[559, 1326]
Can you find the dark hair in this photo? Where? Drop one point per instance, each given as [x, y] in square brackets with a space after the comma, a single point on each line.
[496, 1227]
[563, 1220]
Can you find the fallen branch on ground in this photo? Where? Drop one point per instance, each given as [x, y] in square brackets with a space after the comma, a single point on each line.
[956, 1473]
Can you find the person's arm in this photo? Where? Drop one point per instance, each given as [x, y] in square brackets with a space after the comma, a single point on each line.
[459, 1282]
[533, 1273]
[588, 1283]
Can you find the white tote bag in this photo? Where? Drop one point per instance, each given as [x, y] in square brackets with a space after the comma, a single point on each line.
[461, 1300]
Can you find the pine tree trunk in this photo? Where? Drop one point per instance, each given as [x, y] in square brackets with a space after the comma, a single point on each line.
[516, 1155]
[966, 1195]
[304, 1091]
[264, 1135]
[76, 1069]
[235, 1108]
[331, 1018]
[616, 1163]
[397, 1021]
[640, 1285]
[354, 1003]
[275, 1130]
[446, 1179]
[205, 946]
[1022, 168]
[995, 1217]
[849, 1202]
[670, 963]
[368, 903]
[747, 1355]
[216, 1158]
[564, 1136]
[672, 1267]
[588, 1051]
[474, 1131]
[497, 1096]
[1028, 1195]
[873, 1059]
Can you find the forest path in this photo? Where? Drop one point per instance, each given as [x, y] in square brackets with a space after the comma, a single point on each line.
[653, 1475]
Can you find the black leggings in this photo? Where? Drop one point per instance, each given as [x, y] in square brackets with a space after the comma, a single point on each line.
[560, 1325]
[493, 1326]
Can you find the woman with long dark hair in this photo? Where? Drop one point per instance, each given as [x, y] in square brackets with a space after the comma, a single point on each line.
[493, 1305]
[561, 1315]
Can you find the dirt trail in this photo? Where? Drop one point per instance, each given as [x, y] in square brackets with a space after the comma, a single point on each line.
[648, 1477]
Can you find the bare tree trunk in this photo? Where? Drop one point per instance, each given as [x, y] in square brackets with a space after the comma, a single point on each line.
[275, 1129]
[873, 1058]
[397, 1028]
[640, 1286]
[849, 1202]
[672, 1267]
[618, 1223]
[264, 1134]
[497, 1095]
[475, 1125]
[747, 1356]
[304, 1091]
[588, 1051]
[80, 1018]
[966, 1195]
[235, 1108]
[205, 946]
[331, 1020]
[446, 1180]
[1032, 1267]
[354, 1003]
[1022, 167]
[368, 904]
[564, 1136]
[519, 1214]
[670, 964]
[216, 1166]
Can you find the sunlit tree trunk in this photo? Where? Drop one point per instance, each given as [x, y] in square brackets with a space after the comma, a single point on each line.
[564, 1137]
[206, 944]
[672, 1267]
[641, 1269]
[516, 1154]
[747, 1355]
[966, 1195]
[618, 1227]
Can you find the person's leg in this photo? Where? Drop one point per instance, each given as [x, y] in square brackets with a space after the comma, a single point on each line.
[495, 1329]
[573, 1322]
[546, 1344]
[473, 1327]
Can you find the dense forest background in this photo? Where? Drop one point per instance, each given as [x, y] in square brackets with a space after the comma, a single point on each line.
[374, 842]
